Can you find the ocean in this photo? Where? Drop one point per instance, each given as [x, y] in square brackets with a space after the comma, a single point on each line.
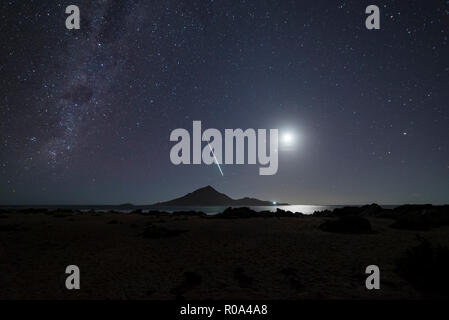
[210, 210]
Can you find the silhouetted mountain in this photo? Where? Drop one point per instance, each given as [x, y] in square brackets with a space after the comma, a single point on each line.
[208, 196]
[124, 206]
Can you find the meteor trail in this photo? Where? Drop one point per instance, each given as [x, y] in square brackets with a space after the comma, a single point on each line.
[216, 161]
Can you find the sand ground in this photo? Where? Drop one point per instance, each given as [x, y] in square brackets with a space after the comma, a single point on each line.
[255, 258]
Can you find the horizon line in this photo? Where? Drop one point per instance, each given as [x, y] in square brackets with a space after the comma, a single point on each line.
[218, 205]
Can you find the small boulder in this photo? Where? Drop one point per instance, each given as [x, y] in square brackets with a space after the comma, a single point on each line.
[232, 213]
[371, 210]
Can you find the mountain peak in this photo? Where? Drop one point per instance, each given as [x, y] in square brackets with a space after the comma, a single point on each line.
[208, 196]
[206, 188]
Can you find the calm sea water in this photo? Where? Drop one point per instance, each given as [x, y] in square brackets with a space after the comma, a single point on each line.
[305, 209]
[210, 210]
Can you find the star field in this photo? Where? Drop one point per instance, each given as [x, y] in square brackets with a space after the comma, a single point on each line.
[86, 114]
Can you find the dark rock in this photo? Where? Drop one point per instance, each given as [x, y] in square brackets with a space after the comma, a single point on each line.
[346, 211]
[284, 213]
[232, 213]
[244, 212]
[324, 213]
[371, 210]
[426, 267]
[386, 214]
[420, 217]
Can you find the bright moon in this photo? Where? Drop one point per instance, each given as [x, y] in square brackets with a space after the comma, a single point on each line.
[287, 139]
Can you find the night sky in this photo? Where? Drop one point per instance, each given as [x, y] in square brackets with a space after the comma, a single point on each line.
[86, 114]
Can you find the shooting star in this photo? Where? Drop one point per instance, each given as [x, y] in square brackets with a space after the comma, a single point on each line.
[216, 161]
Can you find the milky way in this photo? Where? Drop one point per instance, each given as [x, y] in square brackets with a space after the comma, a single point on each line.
[86, 114]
